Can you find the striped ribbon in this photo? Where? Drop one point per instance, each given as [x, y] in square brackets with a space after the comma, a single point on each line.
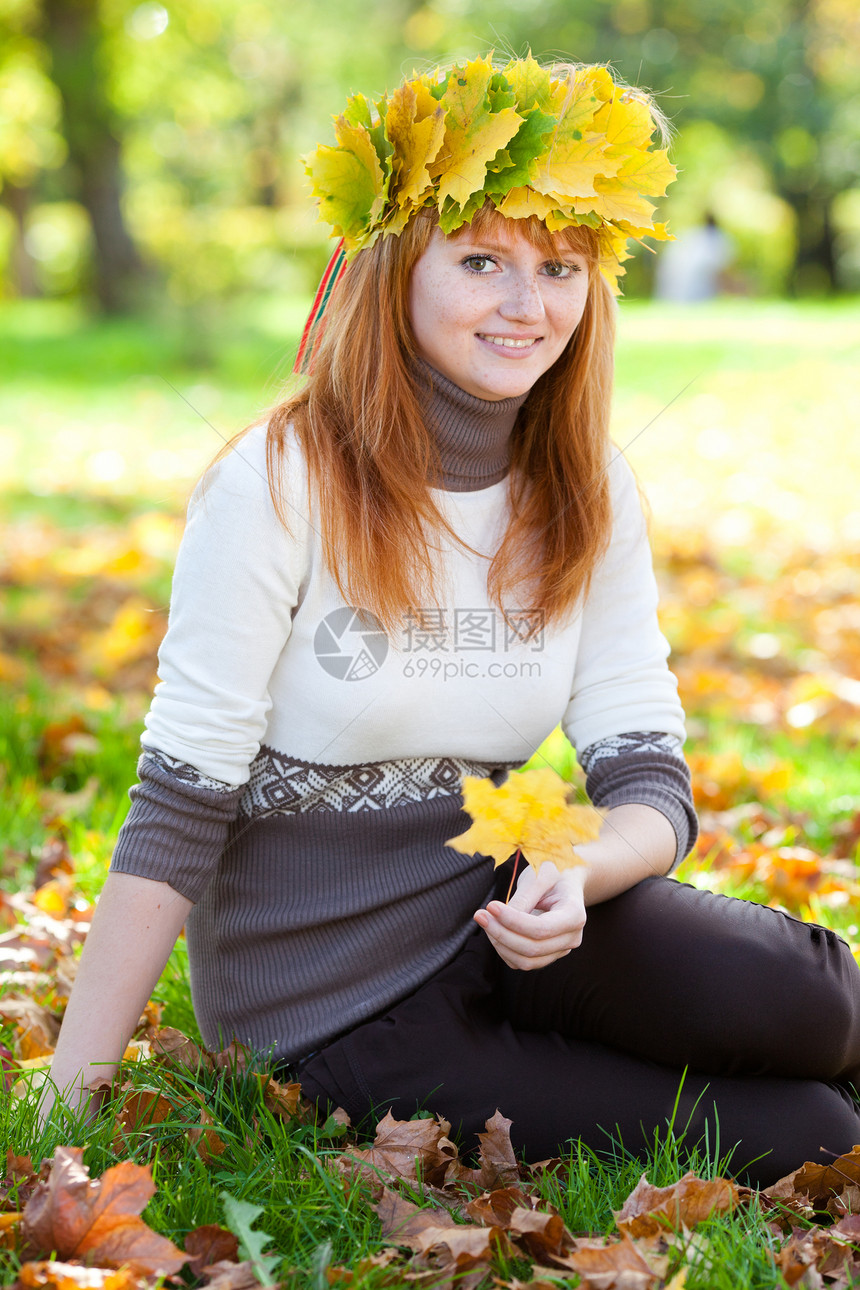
[315, 325]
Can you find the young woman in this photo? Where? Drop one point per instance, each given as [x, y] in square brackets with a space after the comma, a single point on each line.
[424, 561]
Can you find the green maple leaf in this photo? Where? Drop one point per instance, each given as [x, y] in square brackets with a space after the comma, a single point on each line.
[359, 111]
[240, 1217]
[523, 150]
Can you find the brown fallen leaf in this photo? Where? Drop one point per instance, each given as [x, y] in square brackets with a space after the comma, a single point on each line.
[814, 1183]
[74, 1216]
[235, 1058]
[617, 1265]
[210, 1145]
[498, 1164]
[176, 1050]
[54, 858]
[73, 1276]
[403, 1221]
[542, 1236]
[18, 1182]
[409, 1149]
[225, 1275]
[36, 1027]
[649, 1210]
[496, 1207]
[211, 1244]
[462, 1242]
[141, 1109]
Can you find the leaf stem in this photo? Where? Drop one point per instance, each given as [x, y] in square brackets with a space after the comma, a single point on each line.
[513, 875]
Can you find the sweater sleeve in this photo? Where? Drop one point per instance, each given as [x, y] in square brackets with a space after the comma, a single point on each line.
[647, 768]
[177, 827]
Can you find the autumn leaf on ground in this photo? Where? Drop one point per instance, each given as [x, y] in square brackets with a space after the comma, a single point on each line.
[815, 1183]
[410, 1149]
[649, 1210]
[74, 1216]
[210, 1244]
[498, 1163]
[529, 812]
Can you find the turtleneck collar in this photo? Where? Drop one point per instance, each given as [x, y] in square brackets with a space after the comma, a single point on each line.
[473, 435]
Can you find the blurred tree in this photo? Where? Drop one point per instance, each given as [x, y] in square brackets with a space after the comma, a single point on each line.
[73, 33]
[31, 143]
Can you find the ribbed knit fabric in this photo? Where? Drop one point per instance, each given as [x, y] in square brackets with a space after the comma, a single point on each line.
[324, 889]
[473, 435]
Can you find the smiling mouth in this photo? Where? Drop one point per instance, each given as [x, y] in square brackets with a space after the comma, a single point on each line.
[508, 342]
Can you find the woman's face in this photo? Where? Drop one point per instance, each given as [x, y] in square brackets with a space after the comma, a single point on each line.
[492, 313]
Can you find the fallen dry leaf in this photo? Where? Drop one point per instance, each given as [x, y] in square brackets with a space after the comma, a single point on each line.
[649, 1210]
[543, 1236]
[617, 1265]
[403, 1221]
[498, 1165]
[815, 1183]
[210, 1145]
[225, 1275]
[410, 1149]
[74, 1216]
[211, 1244]
[496, 1207]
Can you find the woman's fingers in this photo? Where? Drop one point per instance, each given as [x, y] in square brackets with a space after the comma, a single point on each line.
[542, 922]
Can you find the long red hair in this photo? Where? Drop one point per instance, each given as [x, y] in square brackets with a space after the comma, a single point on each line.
[369, 454]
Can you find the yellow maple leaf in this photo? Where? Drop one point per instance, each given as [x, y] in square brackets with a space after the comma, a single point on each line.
[348, 180]
[626, 121]
[474, 133]
[574, 164]
[416, 140]
[529, 812]
[522, 202]
[531, 83]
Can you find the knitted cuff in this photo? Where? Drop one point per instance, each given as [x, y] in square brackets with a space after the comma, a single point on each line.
[646, 768]
[177, 827]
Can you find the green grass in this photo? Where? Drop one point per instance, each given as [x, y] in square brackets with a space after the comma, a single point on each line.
[287, 1170]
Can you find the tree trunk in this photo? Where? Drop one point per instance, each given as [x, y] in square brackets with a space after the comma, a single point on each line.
[72, 33]
[815, 261]
[22, 270]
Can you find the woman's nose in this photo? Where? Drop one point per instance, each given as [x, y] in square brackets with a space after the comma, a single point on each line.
[523, 301]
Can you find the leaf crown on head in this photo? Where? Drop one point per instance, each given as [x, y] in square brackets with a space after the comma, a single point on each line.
[568, 145]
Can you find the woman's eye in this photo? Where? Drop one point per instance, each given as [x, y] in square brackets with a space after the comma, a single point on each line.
[555, 269]
[479, 263]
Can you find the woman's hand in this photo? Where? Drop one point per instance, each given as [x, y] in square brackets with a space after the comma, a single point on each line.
[543, 920]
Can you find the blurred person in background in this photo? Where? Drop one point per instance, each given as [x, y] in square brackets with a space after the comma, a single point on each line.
[694, 266]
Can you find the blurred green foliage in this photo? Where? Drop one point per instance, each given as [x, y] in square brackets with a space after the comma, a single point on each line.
[155, 144]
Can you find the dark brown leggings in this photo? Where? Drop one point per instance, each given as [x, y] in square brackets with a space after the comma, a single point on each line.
[762, 1009]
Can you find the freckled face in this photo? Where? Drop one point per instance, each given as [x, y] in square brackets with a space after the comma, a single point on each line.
[494, 314]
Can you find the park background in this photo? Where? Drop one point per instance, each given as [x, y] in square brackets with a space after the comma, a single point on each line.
[158, 253]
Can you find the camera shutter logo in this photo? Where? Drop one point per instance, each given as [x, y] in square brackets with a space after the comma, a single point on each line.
[350, 644]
